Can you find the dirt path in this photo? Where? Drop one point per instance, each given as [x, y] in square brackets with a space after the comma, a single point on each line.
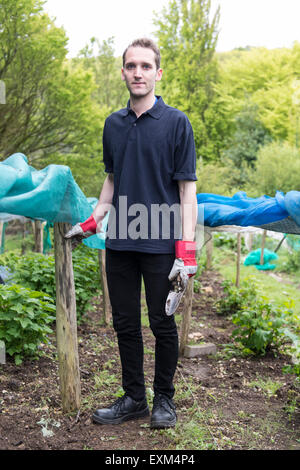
[223, 402]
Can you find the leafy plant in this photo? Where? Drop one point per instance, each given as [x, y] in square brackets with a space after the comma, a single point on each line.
[235, 299]
[292, 264]
[259, 327]
[24, 319]
[260, 324]
[37, 271]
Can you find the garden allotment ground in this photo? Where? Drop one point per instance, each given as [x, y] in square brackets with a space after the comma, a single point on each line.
[232, 400]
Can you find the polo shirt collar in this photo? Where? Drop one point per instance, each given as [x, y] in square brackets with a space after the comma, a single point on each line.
[155, 112]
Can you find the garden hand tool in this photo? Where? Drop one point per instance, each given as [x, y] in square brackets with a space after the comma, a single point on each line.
[184, 267]
[80, 231]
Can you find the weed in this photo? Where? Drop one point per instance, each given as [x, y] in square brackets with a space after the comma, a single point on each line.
[268, 386]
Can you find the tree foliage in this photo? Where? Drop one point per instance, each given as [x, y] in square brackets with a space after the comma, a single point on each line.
[48, 106]
[187, 39]
[277, 169]
[99, 59]
[269, 78]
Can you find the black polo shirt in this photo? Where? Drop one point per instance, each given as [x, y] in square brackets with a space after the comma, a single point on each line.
[147, 155]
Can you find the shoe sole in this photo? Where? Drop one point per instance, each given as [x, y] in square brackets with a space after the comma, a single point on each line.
[135, 415]
[163, 424]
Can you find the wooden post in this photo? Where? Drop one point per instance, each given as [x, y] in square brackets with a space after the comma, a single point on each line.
[263, 242]
[249, 240]
[66, 321]
[1, 233]
[187, 314]
[238, 260]
[38, 236]
[105, 294]
[209, 250]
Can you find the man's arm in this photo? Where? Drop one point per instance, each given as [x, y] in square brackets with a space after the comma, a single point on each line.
[185, 264]
[188, 204]
[105, 200]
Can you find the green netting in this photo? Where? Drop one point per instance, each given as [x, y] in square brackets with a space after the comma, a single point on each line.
[3, 238]
[293, 241]
[47, 245]
[49, 194]
[254, 259]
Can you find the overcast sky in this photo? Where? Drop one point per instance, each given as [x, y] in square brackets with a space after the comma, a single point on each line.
[268, 23]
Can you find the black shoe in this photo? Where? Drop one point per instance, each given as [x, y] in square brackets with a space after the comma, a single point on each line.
[163, 412]
[122, 409]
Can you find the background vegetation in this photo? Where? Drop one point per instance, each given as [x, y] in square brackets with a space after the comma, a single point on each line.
[244, 104]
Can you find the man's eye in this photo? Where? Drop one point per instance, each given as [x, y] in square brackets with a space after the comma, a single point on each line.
[146, 67]
[130, 66]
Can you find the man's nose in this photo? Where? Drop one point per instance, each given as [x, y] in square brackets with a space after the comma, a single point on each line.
[138, 71]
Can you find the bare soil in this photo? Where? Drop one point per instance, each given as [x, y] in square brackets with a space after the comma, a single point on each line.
[221, 402]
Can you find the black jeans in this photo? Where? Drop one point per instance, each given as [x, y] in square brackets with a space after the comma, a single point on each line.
[125, 270]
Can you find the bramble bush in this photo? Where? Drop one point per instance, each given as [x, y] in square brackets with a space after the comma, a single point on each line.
[25, 316]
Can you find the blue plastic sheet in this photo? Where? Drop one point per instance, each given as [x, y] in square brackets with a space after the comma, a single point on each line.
[245, 211]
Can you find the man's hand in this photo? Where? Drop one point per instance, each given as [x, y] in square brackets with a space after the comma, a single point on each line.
[185, 263]
[80, 231]
[184, 267]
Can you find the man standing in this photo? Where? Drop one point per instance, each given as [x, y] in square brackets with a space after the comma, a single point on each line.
[149, 155]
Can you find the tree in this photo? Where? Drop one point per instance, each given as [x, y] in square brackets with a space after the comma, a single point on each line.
[249, 135]
[267, 78]
[99, 59]
[277, 169]
[48, 104]
[187, 39]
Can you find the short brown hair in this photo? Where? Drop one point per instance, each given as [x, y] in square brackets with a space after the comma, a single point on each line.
[149, 44]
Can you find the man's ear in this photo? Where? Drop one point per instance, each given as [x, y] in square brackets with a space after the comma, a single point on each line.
[158, 75]
[122, 74]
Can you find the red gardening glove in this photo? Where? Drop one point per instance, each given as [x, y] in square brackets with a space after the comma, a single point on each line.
[82, 230]
[185, 263]
[184, 267]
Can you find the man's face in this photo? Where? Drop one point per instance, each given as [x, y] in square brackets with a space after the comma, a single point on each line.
[140, 72]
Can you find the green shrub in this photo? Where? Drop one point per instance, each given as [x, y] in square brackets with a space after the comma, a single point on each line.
[277, 168]
[292, 264]
[259, 327]
[37, 272]
[228, 240]
[235, 299]
[24, 319]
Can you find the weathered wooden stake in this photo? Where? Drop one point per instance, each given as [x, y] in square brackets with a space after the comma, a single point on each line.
[66, 321]
[209, 251]
[38, 236]
[105, 294]
[187, 313]
[263, 242]
[1, 232]
[238, 260]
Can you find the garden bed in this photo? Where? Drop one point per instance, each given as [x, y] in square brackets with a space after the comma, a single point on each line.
[223, 401]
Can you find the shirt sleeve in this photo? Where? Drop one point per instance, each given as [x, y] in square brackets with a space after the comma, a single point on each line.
[107, 151]
[185, 154]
